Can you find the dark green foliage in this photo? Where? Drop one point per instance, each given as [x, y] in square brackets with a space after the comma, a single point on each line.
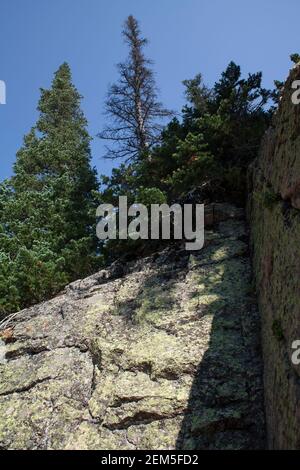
[211, 148]
[207, 153]
[268, 198]
[218, 137]
[194, 165]
[295, 58]
[47, 208]
[277, 330]
[235, 118]
[276, 94]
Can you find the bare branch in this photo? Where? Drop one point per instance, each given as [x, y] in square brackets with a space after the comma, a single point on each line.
[131, 105]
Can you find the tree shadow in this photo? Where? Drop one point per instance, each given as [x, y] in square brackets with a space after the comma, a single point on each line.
[154, 297]
[225, 408]
[225, 404]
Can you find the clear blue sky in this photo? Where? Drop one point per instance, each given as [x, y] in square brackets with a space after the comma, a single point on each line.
[186, 37]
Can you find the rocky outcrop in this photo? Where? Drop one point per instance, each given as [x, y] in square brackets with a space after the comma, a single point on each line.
[274, 212]
[162, 353]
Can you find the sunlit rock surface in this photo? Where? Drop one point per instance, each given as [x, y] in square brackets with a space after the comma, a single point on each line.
[162, 353]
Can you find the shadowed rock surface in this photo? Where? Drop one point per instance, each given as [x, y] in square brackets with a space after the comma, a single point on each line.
[274, 214]
[162, 353]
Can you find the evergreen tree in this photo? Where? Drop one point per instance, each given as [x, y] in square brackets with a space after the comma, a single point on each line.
[132, 104]
[47, 209]
[207, 153]
[295, 58]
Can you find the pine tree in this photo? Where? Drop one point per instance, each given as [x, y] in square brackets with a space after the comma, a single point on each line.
[132, 104]
[47, 209]
[295, 58]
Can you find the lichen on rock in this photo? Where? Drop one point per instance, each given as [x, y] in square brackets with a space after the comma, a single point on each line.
[162, 353]
[274, 217]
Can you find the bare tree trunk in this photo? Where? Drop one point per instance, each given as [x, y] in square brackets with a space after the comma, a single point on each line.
[132, 103]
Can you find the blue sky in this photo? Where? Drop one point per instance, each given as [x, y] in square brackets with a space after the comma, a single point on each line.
[186, 37]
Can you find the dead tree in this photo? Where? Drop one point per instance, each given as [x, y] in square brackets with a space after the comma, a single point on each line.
[132, 107]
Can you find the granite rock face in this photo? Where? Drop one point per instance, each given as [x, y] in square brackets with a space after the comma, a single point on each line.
[274, 214]
[162, 353]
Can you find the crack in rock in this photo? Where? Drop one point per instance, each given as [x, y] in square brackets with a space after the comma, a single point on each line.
[146, 355]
